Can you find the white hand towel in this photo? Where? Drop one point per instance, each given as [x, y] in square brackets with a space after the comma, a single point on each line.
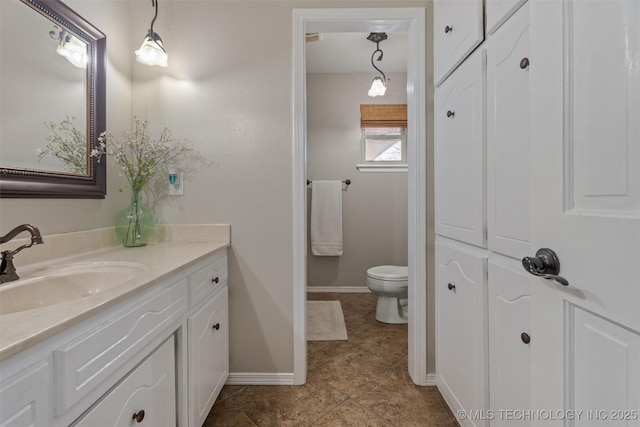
[326, 218]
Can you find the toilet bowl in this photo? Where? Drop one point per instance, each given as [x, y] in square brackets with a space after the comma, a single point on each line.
[390, 284]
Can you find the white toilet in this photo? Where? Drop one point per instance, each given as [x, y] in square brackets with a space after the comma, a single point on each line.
[390, 284]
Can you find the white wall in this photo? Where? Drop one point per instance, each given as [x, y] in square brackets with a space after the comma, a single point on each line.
[375, 204]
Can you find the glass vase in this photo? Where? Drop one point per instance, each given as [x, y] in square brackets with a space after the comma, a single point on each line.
[136, 223]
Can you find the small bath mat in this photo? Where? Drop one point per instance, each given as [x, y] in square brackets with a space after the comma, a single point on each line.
[325, 321]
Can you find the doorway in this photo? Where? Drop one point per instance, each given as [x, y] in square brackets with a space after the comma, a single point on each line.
[411, 21]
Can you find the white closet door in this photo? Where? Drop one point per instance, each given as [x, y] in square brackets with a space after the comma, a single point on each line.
[460, 153]
[457, 30]
[585, 205]
[508, 137]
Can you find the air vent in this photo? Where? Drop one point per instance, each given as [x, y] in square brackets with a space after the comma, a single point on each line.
[313, 37]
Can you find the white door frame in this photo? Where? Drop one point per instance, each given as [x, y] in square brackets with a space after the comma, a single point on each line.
[412, 21]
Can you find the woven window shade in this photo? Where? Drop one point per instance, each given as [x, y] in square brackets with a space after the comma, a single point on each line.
[383, 115]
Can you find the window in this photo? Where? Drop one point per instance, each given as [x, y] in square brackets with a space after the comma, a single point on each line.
[383, 138]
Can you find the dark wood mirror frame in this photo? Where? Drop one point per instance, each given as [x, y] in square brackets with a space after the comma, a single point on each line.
[24, 183]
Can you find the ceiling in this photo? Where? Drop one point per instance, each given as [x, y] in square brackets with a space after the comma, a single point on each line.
[351, 53]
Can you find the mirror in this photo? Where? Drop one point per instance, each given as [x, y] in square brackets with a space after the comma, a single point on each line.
[52, 108]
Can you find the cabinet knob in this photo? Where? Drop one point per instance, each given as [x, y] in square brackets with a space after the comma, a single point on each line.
[525, 338]
[524, 63]
[448, 29]
[215, 280]
[451, 113]
[216, 326]
[451, 287]
[138, 416]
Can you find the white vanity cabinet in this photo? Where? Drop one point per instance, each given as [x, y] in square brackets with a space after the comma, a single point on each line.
[508, 137]
[461, 331]
[147, 395]
[458, 30]
[509, 340]
[460, 153]
[208, 337]
[24, 398]
[158, 357]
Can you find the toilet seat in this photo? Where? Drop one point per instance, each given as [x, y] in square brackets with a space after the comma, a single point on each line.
[389, 273]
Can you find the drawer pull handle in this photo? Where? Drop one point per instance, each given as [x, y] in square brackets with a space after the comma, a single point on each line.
[451, 287]
[448, 29]
[139, 416]
[451, 113]
[524, 63]
[525, 338]
[216, 326]
[215, 280]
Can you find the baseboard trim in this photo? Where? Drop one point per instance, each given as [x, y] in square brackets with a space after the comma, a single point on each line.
[431, 380]
[256, 378]
[339, 289]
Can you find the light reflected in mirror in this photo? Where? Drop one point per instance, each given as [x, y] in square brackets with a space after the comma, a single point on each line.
[52, 105]
[39, 86]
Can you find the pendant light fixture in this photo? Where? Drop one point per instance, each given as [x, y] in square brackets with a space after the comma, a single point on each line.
[379, 84]
[70, 47]
[152, 52]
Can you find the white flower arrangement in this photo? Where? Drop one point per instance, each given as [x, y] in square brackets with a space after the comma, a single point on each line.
[66, 144]
[138, 154]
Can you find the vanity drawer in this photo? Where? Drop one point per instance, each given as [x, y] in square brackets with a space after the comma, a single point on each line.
[94, 357]
[206, 281]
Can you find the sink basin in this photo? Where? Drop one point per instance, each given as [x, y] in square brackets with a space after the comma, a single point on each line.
[59, 284]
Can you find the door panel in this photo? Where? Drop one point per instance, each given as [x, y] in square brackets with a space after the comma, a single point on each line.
[606, 374]
[585, 189]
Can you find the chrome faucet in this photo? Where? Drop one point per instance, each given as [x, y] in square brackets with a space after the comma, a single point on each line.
[7, 270]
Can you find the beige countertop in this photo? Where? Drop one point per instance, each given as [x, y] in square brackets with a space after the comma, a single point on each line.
[21, 330]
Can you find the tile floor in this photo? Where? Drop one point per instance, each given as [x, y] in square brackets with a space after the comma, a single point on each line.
[359, 382]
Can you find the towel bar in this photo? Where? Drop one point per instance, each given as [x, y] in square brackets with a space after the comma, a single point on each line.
[344, 181]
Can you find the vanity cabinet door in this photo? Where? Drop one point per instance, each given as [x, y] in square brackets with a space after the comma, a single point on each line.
[460, 153]
[461, 364]
[457, 31]
[24, 398]
[208, 335]
[508, 137]
[146, 396]
[509, 340]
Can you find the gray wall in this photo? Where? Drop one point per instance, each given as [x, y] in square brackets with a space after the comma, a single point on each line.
[375, 205]
[228, 89]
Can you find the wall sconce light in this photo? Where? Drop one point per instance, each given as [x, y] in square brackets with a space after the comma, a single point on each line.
[152, 51]
[70, 47]
[379, 84]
